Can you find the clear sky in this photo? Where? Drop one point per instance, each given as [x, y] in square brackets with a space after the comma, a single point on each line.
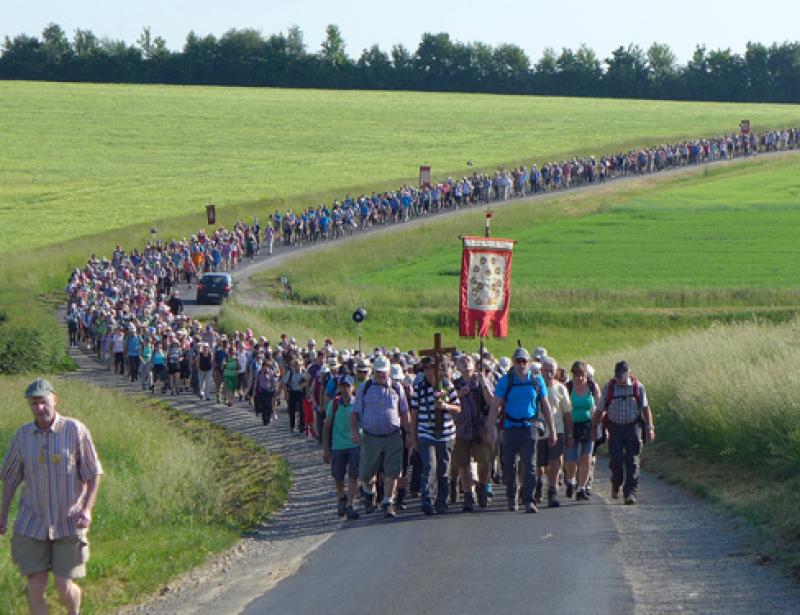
[531, 24]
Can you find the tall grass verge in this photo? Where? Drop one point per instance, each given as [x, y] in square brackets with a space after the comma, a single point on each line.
[727, 408]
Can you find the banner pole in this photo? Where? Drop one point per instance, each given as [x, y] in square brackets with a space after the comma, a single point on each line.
[487, 231]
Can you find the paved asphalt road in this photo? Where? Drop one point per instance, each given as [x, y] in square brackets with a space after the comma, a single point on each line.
[557, 561]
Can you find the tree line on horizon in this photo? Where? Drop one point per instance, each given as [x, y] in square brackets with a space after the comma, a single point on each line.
[245, 57]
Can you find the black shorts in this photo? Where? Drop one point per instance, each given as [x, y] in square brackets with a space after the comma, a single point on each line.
[546, 453]
[345, 461]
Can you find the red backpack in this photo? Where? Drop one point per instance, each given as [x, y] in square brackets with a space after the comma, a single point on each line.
[610, 397]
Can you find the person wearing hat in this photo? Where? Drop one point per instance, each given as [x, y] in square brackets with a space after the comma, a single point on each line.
[475, 396]
[363, 369]
[381, 409]
[56, 459]
[522, 396]
[267, 382]
[434, 442]
[629, 417]
[340, 451]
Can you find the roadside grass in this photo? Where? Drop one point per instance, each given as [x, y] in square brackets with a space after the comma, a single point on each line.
[727, 413]
[175, 491]
[622, 266]
[85, 158]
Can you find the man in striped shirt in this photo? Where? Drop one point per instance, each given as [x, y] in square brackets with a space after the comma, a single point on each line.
[56, 459]
[629, 418]
[435, 446]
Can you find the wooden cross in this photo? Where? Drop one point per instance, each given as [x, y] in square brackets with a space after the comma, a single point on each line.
[437, 352]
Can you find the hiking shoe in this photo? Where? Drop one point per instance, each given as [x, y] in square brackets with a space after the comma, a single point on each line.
[552, 499]
[352, 513]
[483, 496]
[570, 489]
[400, 503]
[341, 507]
[581, 495]
[614, 492]
[530, 507]
[469, 503]
[630, 499]
[513, 506]
[368, 499]
[441, 508]
[388, 510]
[427, 508]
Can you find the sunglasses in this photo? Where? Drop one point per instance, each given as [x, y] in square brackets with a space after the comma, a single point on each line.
[521, 361]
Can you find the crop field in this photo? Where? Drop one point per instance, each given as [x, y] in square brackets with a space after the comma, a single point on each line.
[82, 159]
[591, 272]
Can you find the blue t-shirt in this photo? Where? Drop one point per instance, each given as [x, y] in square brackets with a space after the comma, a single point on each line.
[523, 399]
[134, 344]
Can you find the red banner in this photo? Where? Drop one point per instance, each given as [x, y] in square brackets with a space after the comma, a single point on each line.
[485, 286]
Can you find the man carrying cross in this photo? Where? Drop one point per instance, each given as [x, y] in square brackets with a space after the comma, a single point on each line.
[433, 402]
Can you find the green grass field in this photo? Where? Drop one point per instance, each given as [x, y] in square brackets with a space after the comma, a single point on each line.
[175, 491]
[81, 159]
[591, 272]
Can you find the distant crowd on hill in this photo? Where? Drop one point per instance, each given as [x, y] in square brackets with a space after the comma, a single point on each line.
[140, 281]
[247, 58]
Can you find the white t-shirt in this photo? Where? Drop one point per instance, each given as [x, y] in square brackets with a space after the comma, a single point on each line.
[560, 404]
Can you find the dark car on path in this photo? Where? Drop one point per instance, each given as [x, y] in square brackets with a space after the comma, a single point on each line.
[214, 287]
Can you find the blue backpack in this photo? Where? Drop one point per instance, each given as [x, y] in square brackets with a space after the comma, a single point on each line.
[512, 382]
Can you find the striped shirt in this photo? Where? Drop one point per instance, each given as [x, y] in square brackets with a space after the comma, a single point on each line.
[623, 409]
[423, 403]
[54, 464]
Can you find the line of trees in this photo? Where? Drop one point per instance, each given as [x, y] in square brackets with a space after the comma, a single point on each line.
[247, 58]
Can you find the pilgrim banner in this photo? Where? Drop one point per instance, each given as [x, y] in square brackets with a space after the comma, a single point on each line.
[485, 286]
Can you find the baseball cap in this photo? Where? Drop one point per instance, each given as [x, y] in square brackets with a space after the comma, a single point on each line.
[381, 364]
[397, 372]
[39, 388]
[521, 353]
[346, 380]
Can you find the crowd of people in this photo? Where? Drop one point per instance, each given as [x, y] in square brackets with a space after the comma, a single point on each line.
[419, 427]
[313, 224]
[128, 310]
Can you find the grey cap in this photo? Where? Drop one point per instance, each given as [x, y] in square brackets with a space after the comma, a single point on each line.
[521, 353]
[39, 388]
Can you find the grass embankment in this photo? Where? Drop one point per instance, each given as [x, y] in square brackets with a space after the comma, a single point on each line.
[727, 408]
[87, 166]
[613, 267]
[176, 490]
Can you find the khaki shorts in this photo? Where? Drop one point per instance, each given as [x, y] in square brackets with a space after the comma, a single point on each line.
[66, 557]
[381, 454]
[466, 450]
